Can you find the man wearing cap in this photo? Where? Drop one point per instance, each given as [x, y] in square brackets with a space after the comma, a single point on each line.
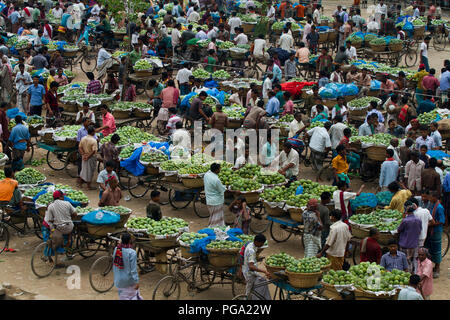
[59, 214]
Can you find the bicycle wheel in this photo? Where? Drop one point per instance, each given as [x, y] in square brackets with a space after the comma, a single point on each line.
[100, 276]
[445, 243]
[202, 278]
[144, 262]
[410, 58]
[278, 232]
[326, 174]
[356, 254]
[259, 222]
[87, 247]
[42, 264]
[29, 154]
[4, 237]
[56, 160]
[37, 226]
[439, 41]
[137, 186]
[240, 297]
[180, 199]
[168, 288]
[200, 207]
[72, 164]
[237, 285]
[89, 62]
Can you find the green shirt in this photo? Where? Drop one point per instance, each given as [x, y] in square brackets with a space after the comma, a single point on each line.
[280, 98]
[106, 25]
[158, 89]
[36, 14]
[134, 56]
[209, 67]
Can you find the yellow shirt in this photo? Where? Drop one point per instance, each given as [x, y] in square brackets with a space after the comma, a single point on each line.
[340, 164]
[399, 199]
[419, 77]
[7, 187]
[50, 79]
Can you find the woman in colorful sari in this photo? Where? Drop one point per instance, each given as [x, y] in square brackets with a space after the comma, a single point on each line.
[126, 277]
[322, 116]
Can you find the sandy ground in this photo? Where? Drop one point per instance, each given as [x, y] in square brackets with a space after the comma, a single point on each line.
[16, 268]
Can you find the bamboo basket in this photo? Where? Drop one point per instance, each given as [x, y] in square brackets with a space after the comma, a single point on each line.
[223, 258]
[303, 280]
[361, 294]
[373, 93]
[67, 143]
[357, 44]
[384, 238]
[121, 114]
[396, 47]
[358, 232]
[272, 270]
[330, 291]
[332, 36]
[100, 230]
[364, 210]
[376, 153]
[274, 212]
[144, 73]
[357, 112]
[330, 102]
[162, 243]
[296, 214]
[186, 254]
[251, 197]
[326, 268]
[151, 170]
[349, 98]
[192, 182]
[47, 138]
[123, 219]
[42, 211]
[323, 37]
[419, 32]
[248, 28]
[378, 47]
[34, 130]
[69, 54]
[171, 178]
[138, 113]
[69, 107]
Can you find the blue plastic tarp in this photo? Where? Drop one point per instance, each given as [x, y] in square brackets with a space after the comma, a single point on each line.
[364, 199]
[199, 245]
[438, 154]
[12, 113]
[132, 164]
[101, 217]
[375, 85]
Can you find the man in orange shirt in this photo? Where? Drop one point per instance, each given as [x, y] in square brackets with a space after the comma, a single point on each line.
[282, 8]
[9, 190]
[299, 12]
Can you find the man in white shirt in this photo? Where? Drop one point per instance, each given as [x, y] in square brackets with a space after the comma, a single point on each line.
[241, 37]
[259, 48]
[337, 132]
[296, 126]
[425, 216]
[176, 36]
[373, 26]
[271, 13]
[27, 14]
[193, 16]
[416, 12]
[320, 145]
[380, 9]
[181, 138]
[58, 11]
[424, 53]
[183, 79]
[394, 145]
[410, 292]
[316, 15]
[286, 42]
[234, 22]
[350, 51]
[267, 87]
[201, 34]
[288, 161]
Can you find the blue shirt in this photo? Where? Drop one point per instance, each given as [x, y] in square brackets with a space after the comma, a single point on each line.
[380, 116]
[128, 276]
[389, 172]
[14, 17]
[437, 138]
[398, 262]
[273, 107]
[439, 216]
[36, 94]
[425, 106]
[276, 73]
[214, 189]
[446, 184]
[445, 81]
[19, 132]
[409, 293]
[409, 231]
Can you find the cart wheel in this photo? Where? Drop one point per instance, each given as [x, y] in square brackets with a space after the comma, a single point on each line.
[101, 276]
[86, 246]
[278, 232]
[259, 222]
[410, 58]
[147, 89]
[29, 154]
[200, 207]
[137, 186]
[139, 88]
[202, 278]
[71, 164]
[439, 41]
[326, 174]
[445, 243]
[37, 226]
[184, 198]
[237, 285]
[356, 254]
[89, 62]
[56, 160]
[240, 297]
[168, 288]
[4, 237]
[42, 265]
[143, 261]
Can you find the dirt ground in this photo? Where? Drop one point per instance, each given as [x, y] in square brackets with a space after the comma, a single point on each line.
[16, 268]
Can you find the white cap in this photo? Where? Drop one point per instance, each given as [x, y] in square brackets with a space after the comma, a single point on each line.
[344, 8]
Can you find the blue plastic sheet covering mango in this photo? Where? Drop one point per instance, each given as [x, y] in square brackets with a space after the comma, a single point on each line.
[185, 102]
[211, 84]
[389, 38]
[375, 85]
[334, 90]
[384, 198]
[364, 200]
[199, 245]
[101, 217]
[299, 190]
[323, 28]
[213, 92]
[438, 154]
[72, 202]
[133, 165]
[12, 113]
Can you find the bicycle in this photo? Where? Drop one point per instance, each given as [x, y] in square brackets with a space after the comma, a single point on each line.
[10, 217]
[440, 37]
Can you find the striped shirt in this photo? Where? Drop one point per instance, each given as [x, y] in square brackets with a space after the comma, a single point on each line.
[398, 261]
[59, 212]
[94, 87]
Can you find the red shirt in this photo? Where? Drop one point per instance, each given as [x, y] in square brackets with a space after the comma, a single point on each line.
[4, 124]
[373, 251]
[108, 120]
[430, 82]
